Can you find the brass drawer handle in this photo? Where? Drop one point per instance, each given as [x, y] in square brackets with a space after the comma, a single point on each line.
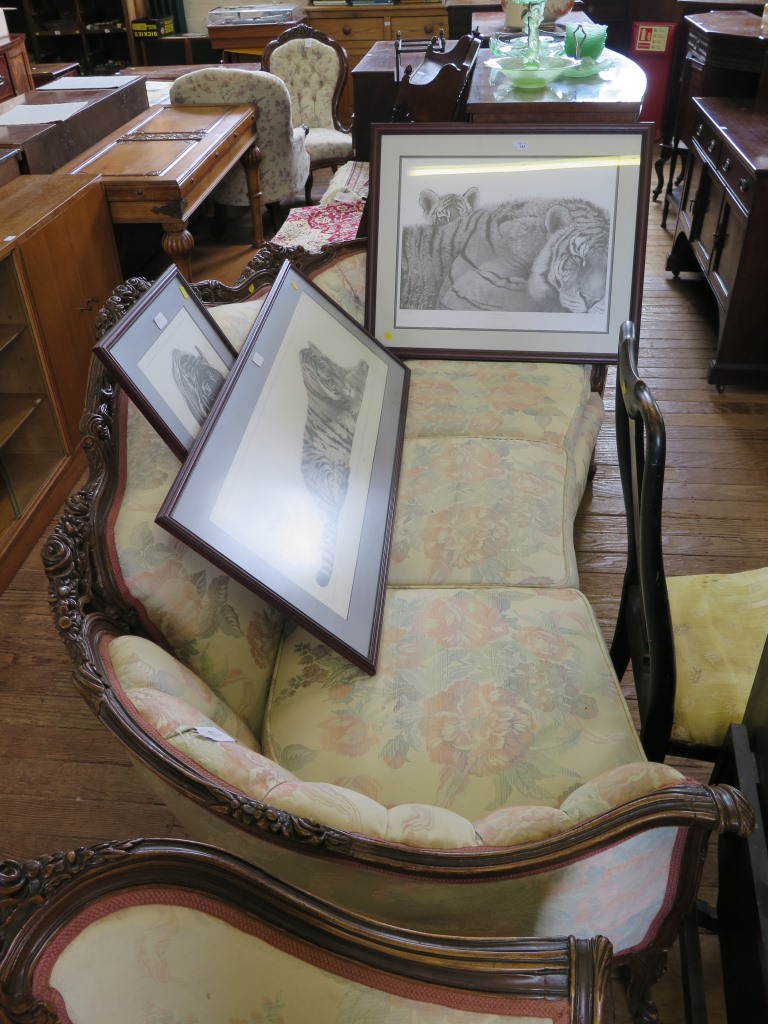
[743, 185]
[711, 146]
[727, 164]
[699, 130]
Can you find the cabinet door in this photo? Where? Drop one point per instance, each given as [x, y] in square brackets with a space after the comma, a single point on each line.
[691, 186]
[72, 267]
[727, 251]
[704, 230]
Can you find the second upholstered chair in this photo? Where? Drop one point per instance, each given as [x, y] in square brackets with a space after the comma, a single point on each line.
[694, 641]
[314, 69]
[283, 157]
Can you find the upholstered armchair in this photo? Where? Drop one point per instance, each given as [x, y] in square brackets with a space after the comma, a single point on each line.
[314, 68]
[694, 641]
[280, 149]
[488, 779]
[156, 930]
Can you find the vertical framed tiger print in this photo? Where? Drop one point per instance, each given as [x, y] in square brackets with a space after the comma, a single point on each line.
[171, 358]
[503, 241]
[290, 486]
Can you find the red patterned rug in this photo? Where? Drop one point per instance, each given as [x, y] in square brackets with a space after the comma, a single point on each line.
[315, 226]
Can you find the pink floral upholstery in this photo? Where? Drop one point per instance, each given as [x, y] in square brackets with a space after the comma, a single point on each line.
[284, 161]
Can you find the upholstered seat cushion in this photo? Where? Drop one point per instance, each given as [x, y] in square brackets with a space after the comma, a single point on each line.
[327, 144]
[482, 698]
[436, 737]
[715, 666]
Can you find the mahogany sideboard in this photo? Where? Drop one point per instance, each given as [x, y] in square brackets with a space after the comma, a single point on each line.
[15, 72]
[721, 229]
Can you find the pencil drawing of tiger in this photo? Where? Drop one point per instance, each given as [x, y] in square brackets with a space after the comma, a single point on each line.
[522, 255]
[334, 397]
[441, 209]
[198, 381]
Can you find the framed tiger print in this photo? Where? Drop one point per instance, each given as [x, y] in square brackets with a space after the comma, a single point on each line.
[502, 241]
[171, 357]
[290, 486]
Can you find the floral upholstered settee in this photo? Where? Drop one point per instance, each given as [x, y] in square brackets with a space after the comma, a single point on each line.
[488, 779]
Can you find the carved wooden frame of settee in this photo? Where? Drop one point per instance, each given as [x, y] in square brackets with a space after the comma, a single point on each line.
[86, 606]
[43, 900]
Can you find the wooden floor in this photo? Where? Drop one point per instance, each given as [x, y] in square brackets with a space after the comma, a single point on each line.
[64, 782]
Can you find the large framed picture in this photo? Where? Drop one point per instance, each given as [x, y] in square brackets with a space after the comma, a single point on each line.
[290, 486]
[171, 357]
[491, 241]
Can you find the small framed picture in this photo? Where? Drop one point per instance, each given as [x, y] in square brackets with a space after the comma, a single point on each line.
[171, 357]
[290, 486]
[496, 241]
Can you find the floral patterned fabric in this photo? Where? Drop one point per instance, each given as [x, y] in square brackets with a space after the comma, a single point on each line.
[223, 632]
[350, 182]
[482, 698]
[315, 226]
[284, 158]
[167, 957]
[716, 663]
[310, 70]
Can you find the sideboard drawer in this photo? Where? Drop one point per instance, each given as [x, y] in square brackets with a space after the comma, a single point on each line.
[424, 26]
[706, 139]
[739, 178]
[344, 29]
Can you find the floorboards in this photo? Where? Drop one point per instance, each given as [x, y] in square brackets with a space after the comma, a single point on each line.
[65, 782]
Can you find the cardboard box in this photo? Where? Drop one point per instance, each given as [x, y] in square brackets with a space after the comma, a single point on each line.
[151, 28]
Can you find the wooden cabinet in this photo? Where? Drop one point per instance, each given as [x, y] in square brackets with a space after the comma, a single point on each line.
[721, 229]
[357, 28]
[96, 35]
[15, 72]
[58, 264]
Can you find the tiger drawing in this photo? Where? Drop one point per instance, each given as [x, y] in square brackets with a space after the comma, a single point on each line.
[442, 209]
[198, 381]
[334, 397]
[522, 255]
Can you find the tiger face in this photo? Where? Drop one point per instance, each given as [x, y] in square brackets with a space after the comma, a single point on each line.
[571, 271]
[443, 209]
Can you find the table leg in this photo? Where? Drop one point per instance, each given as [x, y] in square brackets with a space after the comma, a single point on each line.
[251, 161]
[178, 243]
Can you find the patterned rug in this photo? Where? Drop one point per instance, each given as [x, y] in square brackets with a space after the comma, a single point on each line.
[315, 226]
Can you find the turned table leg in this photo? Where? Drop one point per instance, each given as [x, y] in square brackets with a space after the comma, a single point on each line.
[251, 161]
[177, 242]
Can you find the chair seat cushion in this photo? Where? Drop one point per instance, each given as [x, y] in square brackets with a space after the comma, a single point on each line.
[315, 226]
[715, 667]
[325, 145]
[483, 698]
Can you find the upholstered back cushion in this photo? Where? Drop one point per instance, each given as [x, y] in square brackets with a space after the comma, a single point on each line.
[310, 69]
[162, 954]
[224, 633]
[284, 160]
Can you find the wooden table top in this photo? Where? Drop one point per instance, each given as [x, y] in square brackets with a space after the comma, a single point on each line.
[613, 95]
[161, 165]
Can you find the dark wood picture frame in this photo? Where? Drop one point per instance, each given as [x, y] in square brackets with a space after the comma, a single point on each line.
[566, 210]
[174, 387]
[290, 486]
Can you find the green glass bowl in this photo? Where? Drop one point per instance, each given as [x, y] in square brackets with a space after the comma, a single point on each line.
[524, 77]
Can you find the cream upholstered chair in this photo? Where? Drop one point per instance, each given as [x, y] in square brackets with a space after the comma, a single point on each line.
[694, 641]
[157, 930]
[283, 157]
[314, 68]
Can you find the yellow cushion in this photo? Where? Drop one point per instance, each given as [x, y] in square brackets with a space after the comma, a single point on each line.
[720, 622]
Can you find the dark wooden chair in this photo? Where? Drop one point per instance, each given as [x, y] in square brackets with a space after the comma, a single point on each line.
[436, 90]
[106, 932]
[694, 641]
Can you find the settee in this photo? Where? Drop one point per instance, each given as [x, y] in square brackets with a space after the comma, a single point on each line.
[488, 780]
